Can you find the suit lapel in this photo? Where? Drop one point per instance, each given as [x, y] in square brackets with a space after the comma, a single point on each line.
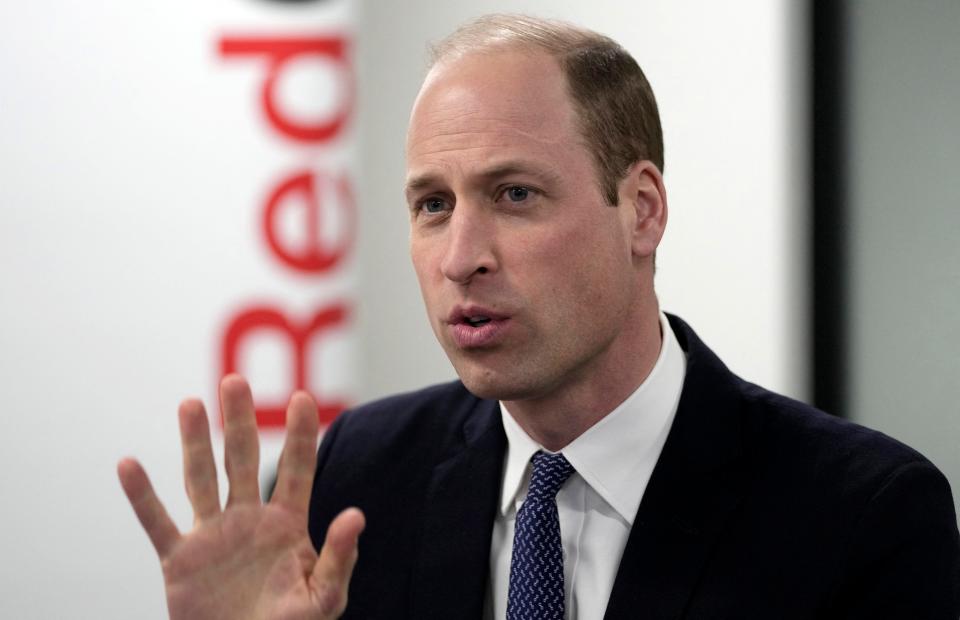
[695, 487]
[697, 483]
[453, 568]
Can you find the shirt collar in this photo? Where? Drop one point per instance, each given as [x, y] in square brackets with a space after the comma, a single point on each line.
[615, 456]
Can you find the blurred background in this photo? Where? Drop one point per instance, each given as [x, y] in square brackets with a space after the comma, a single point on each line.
[188, 189]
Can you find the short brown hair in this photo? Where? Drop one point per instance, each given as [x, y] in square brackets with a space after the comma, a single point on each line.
[617, 111]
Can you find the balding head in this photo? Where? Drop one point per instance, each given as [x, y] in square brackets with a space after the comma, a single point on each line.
[616, 109]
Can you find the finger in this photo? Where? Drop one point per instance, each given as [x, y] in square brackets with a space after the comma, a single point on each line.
[241, 443]
[151, 513]
[199, 469]
[298, 461]
[331, 573]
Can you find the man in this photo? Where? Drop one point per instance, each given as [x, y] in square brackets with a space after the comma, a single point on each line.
[595, 460]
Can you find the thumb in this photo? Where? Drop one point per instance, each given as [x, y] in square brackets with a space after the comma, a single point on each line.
[331, 573]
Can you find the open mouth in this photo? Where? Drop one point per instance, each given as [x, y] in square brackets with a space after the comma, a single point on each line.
[477, 327]
[476, 321]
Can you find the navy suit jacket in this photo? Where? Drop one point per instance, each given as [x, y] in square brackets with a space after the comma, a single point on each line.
[759, 507]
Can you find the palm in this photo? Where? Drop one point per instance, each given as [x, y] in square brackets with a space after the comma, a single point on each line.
[248, 546]
[249, 560]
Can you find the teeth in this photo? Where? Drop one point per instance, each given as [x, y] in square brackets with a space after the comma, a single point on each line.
[477, 320]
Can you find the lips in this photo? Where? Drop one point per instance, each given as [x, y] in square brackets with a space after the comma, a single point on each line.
[473, 327]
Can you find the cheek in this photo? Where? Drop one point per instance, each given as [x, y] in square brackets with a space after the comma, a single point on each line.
[422, 267]
[424, 254]
[591, 273]
[554, 272]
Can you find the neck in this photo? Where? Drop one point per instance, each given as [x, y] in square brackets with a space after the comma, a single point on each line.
[556, 419]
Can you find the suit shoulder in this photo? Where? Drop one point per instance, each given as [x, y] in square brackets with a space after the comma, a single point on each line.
[802, 420]
[424, 416]
[448, 393]
[809, 441]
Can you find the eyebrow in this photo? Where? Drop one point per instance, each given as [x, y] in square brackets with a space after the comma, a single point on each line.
[501, 169]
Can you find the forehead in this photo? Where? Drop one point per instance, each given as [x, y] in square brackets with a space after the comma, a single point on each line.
[502, 105]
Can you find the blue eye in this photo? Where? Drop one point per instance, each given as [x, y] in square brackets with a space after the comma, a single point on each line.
[517, 193]
[433, 205]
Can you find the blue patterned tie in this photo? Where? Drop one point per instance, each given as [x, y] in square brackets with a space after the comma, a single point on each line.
[536, 567]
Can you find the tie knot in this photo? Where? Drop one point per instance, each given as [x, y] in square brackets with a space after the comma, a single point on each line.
[550, 471]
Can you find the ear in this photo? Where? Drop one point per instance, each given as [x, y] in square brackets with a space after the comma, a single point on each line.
[643, 192]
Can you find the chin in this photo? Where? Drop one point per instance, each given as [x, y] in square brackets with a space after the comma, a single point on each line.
[487, 383]
[481, 382]
[492, 375]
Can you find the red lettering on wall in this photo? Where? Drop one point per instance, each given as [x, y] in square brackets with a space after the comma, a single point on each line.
[278, 52]
[320, 200]
[298, 334]
[303, 189]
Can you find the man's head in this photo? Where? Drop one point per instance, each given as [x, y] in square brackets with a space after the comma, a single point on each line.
[536, 280]
[616, 109]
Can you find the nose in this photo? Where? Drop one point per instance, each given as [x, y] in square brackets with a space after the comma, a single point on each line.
[469, 245]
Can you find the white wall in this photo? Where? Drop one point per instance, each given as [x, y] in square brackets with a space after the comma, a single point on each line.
[134, 162]
[905, 225]
[118, 144]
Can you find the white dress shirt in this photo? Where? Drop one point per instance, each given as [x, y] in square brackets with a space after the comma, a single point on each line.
[613, 460]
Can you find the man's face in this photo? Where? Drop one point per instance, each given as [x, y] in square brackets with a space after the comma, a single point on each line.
[529, 278]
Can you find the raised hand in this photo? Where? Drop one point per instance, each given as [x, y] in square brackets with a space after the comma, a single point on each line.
[249, 559]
